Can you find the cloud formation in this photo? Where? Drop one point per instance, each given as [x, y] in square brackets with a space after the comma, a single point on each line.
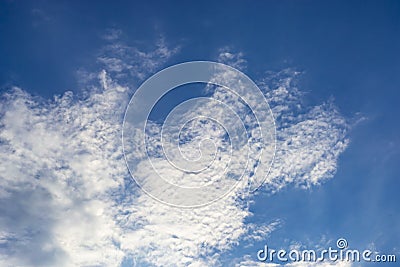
[66, 195]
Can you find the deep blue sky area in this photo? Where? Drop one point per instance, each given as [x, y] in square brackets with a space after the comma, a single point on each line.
[347, 50]
[341, 45]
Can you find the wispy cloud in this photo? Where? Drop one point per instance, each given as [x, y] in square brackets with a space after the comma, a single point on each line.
[112, 34]
[234, 59]
[65, 193]
[122, 60]
[309, 139]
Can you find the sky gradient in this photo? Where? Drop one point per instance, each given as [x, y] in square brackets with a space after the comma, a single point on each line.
[329, 70]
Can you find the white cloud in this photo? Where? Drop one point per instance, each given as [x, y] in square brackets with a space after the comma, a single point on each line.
[66, 198]
[309, 139]
[259, 232]
[123, 60]
[58, 164]
[234, 59]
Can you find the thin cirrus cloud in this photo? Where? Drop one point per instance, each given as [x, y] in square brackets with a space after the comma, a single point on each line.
[65, 192]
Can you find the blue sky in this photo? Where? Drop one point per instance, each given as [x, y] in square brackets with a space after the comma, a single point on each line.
[346, 54]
